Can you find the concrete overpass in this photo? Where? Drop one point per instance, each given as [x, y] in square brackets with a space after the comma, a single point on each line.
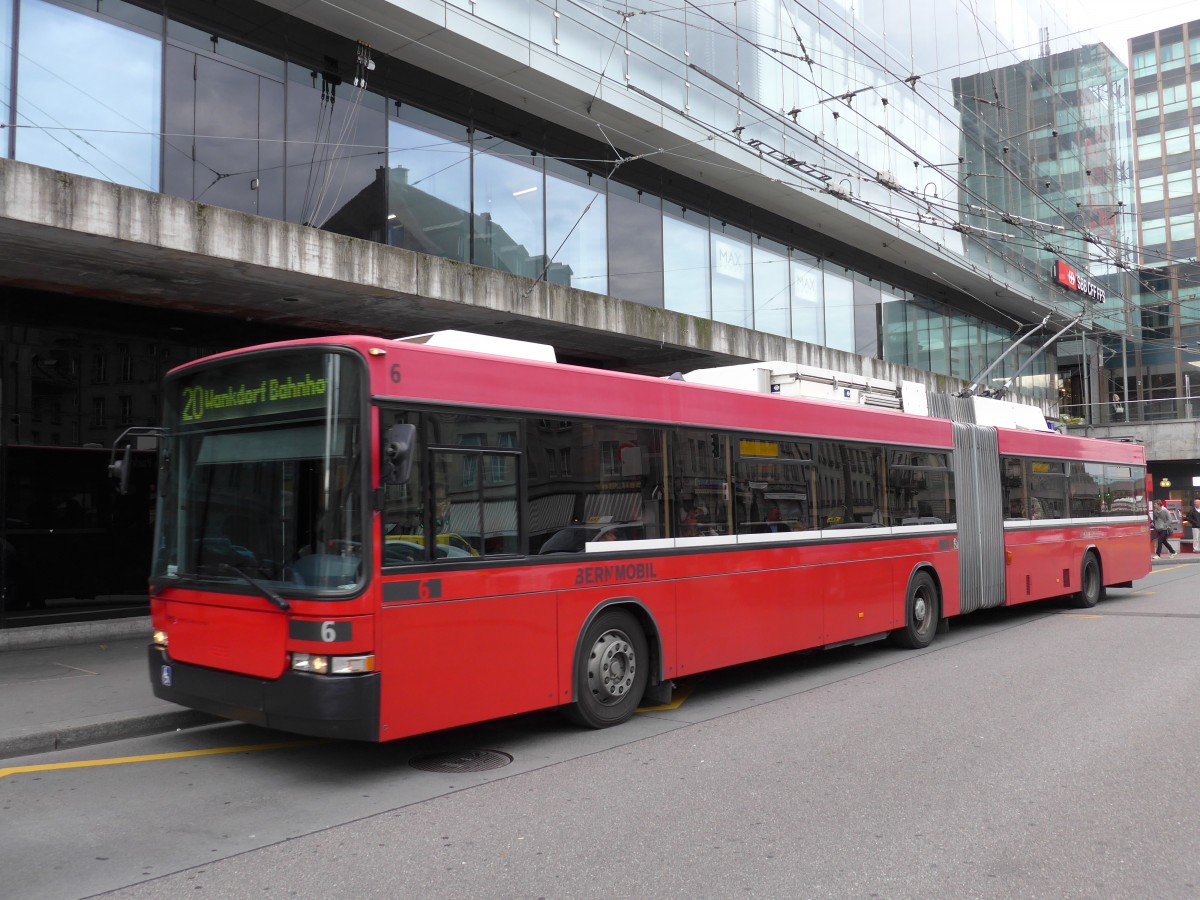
[74, 235]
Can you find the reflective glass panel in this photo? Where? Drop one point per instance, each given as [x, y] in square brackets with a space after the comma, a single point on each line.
[337, 145]
[576, 228]
[771, 288]
[808, 299]
[685, 262]
[429, 185]
[635, 245]
[218, 150]
[89, 96]
[866, 317]
[895, 345]
[509, 197]
[652, 67]
[6, 43]
[732, 276]
[839, 309]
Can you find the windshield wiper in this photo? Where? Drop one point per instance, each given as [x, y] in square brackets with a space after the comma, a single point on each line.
[259, 586]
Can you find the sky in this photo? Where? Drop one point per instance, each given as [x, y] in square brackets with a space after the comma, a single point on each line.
[1116, 21]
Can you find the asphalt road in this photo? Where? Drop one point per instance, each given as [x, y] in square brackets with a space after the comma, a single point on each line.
[1035, 752]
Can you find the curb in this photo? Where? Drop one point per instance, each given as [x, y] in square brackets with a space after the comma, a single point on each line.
[82, 734]
[86, 731]
[35, 637]
[1177, 559]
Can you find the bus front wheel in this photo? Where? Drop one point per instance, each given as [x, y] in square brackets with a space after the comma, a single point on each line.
[921, 609]
[611, 671]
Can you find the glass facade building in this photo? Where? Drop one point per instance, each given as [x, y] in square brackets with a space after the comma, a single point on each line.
[864, 102]
[1166, 110]
[864, 178]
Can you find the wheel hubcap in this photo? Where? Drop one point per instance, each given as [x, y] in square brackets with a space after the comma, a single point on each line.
[920, 609]
[611, 667]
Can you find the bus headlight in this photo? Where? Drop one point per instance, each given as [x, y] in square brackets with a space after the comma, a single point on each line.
[333, 665]
[160, 639]
[309, 662]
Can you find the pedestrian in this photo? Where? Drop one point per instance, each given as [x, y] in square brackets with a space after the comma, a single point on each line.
[1164, 525]
[1118, 408]
[1193, 519]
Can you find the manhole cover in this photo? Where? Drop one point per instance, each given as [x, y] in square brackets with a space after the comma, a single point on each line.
[464, 761]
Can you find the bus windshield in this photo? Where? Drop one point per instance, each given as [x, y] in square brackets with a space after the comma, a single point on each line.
[263, 476]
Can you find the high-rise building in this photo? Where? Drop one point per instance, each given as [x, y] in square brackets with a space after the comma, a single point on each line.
[651, 186]
[1164, 365]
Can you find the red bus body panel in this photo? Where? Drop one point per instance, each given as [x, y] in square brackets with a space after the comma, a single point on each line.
[244, 634]
[248, 641]
[1045, 562]
[503, 641]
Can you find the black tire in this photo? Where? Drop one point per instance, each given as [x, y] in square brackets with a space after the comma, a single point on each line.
[922, 607]
[1091, 583]
[611, 671]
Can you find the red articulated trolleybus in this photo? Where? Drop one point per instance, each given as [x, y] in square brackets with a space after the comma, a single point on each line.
[368, 538]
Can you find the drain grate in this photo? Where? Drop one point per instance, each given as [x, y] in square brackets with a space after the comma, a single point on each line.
[463, 761]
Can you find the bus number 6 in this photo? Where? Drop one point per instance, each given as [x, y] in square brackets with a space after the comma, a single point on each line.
[329, 631]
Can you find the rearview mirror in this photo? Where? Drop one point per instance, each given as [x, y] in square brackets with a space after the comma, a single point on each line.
[395, 465]
[118, 469]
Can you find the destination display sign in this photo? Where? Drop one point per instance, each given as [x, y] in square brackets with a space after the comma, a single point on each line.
[255, 388]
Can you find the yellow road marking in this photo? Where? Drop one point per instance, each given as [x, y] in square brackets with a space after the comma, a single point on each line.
[151, 757]
[681, 693]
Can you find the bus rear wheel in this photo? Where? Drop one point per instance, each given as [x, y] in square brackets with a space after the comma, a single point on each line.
[921, 610]
[611, 671]
[1091, 584]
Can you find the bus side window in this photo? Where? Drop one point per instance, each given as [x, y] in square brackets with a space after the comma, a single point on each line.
[851, 485]
[1012, 486]
[1048, 484]
[699, 483]
[773, 481]
[920, 487]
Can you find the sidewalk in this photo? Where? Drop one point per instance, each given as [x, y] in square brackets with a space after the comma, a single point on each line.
[1188, 557]
[71, 685]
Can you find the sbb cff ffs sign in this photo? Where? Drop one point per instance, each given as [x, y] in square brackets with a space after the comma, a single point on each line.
[1073, 281]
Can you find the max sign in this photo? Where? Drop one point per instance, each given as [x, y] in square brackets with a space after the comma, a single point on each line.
[1073, 281]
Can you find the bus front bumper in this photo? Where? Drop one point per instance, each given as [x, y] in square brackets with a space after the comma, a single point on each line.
[343, 707]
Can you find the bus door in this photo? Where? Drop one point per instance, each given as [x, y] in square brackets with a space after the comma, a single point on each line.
[980, 516]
